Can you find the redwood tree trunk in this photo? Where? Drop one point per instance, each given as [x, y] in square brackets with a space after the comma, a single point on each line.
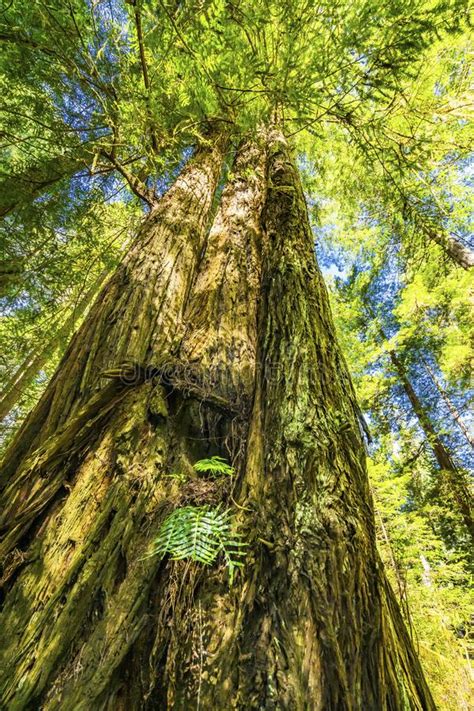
[253, 373]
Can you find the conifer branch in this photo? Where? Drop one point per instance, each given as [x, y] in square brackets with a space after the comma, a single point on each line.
[137, 186]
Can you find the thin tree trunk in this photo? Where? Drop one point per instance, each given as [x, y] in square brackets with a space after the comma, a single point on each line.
[89, 621]
[397, 570]
[455, 414]
[426, 576]
[460, 253]
[33, 363]
[455, 478]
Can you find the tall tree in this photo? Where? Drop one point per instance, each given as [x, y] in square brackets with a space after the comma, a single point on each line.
[303, 439]
[456, 479]
[212, 340]
[454, 412]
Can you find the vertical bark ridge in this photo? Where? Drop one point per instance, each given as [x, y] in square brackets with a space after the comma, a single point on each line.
[311, 622]
[221, 318]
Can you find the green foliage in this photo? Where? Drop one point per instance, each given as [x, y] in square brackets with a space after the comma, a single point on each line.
[432, 579]
[215, 467]
[436, 310]
[201, 534]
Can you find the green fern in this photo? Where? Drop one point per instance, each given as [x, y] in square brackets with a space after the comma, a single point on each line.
[215, 466]
[200, 533]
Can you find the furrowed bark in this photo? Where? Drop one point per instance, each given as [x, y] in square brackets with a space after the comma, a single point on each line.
[312, 623]
[160, 670]
[221, 317]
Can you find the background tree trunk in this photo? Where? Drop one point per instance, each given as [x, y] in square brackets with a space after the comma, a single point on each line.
[254, 373]
[33, 363]
[454, 412]
[456, 480]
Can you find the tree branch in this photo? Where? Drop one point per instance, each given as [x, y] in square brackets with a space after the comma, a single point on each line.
[146, 77]
[136, 185]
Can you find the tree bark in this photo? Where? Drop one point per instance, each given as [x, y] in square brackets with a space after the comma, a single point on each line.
[33, 363]
[460, 253]
[253, 372]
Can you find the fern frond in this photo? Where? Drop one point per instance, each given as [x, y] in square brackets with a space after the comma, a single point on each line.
[215, 466]
[200, 533]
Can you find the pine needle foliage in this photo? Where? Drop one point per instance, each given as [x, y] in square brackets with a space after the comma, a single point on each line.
[201, 534]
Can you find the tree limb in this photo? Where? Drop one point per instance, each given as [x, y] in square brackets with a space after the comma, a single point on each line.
[136, 185]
